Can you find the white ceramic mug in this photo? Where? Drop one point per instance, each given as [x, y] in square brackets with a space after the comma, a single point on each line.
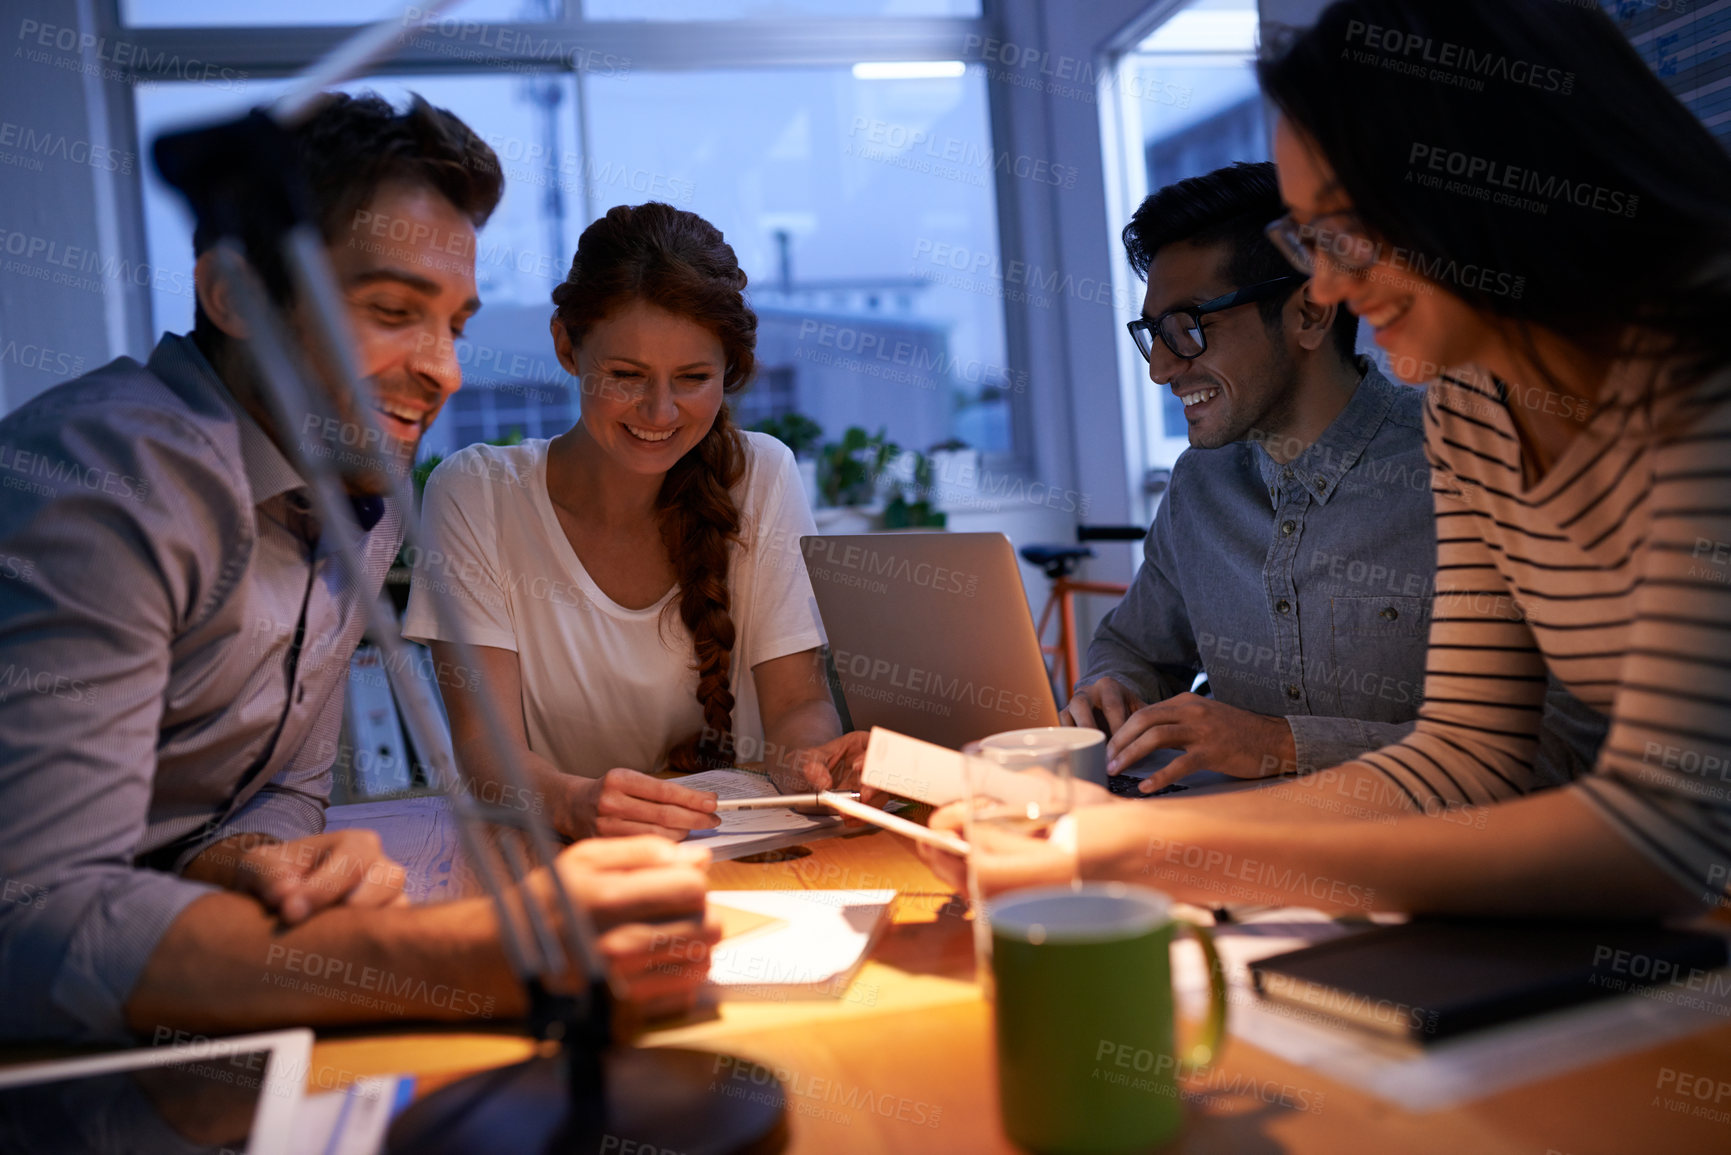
[1084, 749]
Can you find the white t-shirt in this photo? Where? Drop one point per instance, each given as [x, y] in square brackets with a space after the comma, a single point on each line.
[606, 686]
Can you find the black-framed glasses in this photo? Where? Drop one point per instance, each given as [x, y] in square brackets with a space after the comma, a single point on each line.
[1347, 244]
[1181, 328]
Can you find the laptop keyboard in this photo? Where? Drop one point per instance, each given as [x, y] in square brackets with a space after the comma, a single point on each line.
[1126, 786]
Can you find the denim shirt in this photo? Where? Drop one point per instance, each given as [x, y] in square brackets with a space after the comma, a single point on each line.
[1302, 590]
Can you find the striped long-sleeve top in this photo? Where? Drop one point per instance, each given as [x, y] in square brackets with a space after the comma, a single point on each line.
[1613, 572]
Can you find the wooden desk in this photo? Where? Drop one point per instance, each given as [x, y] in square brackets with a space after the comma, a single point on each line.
[903, 1063]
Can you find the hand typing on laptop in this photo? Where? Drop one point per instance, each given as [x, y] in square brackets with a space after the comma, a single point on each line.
[1213, 735]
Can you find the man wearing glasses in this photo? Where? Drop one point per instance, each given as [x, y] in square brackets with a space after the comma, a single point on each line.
[1293, 557]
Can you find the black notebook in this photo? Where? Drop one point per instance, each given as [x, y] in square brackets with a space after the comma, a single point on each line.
[1431, 979]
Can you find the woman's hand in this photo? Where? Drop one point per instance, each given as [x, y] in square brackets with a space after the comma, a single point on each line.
[834, 765]
[622, 802]
[1003, 859]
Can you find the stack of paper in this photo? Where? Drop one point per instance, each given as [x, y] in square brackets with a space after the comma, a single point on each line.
[803, 944]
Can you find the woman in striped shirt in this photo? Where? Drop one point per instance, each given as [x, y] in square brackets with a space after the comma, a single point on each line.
[1530, 220]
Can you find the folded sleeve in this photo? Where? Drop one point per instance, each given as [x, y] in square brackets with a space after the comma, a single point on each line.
[460, 559]
[114, 538]
[292, 804]
[783, 607]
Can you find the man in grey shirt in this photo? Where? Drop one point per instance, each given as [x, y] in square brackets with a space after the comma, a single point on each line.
[175, 633]
[1293, 557]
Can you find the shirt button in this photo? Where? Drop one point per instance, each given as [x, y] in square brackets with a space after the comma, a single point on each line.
[1286, 475]
[1286, 528]
[1390, 613]
[1283, 606]
[1292, 692]
[1321, 482]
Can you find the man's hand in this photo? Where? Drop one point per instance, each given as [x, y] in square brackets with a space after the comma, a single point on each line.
[1102, 700]
[626, 802]
[1213, 736]
[626, 884]
[295, 879]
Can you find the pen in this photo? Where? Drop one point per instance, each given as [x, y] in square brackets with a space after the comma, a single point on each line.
[769, 800]
[854, 808]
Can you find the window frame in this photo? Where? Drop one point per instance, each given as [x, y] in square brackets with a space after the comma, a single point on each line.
[519, 47]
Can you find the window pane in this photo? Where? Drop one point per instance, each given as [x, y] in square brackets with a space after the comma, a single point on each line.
[1203, 111]
[836, 184]
[206, 13]
[851, 205]
[771, 9]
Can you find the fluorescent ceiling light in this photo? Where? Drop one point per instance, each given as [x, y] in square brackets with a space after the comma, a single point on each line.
[1204, 31]
[909, 70]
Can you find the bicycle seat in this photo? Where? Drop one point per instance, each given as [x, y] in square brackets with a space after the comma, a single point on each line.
[1057, 560]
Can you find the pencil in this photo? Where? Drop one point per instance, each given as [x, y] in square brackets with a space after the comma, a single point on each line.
[854, 808]
[768, 800]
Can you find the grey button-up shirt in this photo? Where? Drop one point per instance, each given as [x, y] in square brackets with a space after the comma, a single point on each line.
[1303, 590]
[173, 653]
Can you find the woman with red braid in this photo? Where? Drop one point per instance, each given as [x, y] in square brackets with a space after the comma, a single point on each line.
[633, 587]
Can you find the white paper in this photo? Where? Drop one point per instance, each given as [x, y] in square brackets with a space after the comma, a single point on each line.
[926, 772]
[823, 940]
[745, 831]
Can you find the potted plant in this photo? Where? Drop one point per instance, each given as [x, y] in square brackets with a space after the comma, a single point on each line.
[911, 505]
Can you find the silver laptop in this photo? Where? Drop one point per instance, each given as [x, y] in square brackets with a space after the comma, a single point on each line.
[930, 633]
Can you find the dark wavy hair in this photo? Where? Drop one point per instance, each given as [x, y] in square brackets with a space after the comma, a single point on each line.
[1557, 91]
[350, 146]
[1230, 206]
[679, 262]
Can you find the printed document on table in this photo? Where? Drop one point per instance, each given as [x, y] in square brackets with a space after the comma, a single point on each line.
[745, 832]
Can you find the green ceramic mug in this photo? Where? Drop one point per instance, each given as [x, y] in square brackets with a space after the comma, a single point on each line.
[1087, 1052]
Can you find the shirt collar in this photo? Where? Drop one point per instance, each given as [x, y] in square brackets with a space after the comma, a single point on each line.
[1326, 460]
[182, 365]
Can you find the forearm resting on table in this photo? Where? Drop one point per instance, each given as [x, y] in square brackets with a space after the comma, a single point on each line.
[1547, 854]
[226, 966]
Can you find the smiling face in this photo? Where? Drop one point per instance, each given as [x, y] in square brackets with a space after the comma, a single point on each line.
[1423, 327]
[406, 268]
[1244, 379]
[651, 384]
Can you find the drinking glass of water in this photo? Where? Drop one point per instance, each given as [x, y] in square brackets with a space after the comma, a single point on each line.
[1022, 781]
